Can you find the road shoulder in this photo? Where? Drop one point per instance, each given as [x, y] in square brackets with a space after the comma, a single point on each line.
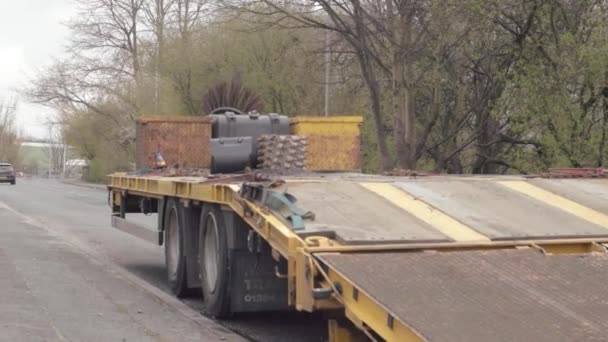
[60, 291]
[78, 182]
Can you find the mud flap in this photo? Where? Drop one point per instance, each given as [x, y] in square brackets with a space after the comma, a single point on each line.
[255, 286]
[253, 282]
[192, 218]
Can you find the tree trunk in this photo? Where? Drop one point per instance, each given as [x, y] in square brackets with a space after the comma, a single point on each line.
[488, 149]
[403, 98]
[602, 146]
[405, 119]
[373, 87]
[454, 163]
[135, 56]
[160, 37]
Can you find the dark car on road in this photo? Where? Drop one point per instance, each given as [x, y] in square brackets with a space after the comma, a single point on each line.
[7, 173]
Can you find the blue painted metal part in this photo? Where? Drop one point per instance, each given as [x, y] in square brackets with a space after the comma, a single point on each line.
[279, 202]
[283, 203]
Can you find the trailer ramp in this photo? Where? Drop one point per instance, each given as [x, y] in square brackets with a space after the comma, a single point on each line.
[493, 295]
[510, 282]
[359, 211]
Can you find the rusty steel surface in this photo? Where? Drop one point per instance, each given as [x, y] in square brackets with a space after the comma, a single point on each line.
[180, 140]
[507, 295]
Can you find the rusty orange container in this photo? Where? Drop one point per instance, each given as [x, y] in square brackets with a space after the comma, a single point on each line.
[183, 140]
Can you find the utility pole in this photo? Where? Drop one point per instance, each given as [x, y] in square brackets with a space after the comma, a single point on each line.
[327, 71]
[65, 153]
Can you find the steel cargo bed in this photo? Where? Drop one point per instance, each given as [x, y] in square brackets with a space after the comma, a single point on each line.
[498, 295]
[434, 258]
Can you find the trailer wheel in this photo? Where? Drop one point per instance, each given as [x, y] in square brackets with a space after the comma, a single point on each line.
[214, 263]
[175, 258]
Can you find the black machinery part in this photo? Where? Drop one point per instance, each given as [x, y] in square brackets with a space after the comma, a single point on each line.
[235, 136]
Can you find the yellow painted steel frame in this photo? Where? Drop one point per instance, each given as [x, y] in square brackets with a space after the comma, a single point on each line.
[556, 246]
[338, 332]
[305, 272]
[368, 315]
[279, 236]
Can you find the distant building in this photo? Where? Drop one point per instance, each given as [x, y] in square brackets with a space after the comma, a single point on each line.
[46, 159]
[74, 168]
[40, 144]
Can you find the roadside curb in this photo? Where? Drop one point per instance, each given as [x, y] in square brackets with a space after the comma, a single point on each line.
[84, 185]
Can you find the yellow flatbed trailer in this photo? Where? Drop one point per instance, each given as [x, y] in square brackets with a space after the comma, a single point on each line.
[439, 258]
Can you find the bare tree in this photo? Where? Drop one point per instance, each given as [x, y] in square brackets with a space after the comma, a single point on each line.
[113, 43]
[156, 13]
[186, 14]
[184, 17]
[106, 32]
[70, 89]
[172, 19]
[55, 150]
[9, 139]
[387, 37]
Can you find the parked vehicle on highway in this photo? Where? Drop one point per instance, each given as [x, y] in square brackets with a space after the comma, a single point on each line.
[400, 257]
[7, 173]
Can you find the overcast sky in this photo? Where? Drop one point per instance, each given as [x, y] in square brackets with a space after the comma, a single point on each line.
[31, 34]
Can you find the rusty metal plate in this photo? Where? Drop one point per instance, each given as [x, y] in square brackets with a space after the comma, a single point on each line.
[498, 212]
[180, 140]
[507, 295]
[357, 216]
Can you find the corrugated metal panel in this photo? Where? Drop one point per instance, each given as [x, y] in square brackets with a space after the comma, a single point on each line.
[507, 295]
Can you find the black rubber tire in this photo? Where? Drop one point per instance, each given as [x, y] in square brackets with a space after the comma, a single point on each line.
[216, 298]
[176, 274]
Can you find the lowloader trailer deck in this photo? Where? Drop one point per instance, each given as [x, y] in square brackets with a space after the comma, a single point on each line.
[438, 258]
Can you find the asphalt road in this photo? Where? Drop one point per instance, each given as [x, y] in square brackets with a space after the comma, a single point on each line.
[66, 275]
